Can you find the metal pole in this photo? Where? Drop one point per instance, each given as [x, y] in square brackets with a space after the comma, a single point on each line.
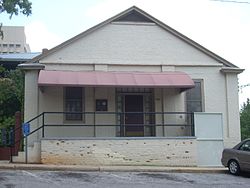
[162, 110]
[11, 158]
[26, 149]
[122, 128]
[94, 112]
[192, 124]
[12, 143]
[43, 126]
[94, 124]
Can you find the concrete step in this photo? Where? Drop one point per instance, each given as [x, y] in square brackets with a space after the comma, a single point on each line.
[34, 154]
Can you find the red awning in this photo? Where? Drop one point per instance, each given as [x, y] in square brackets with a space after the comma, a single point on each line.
[115, 79]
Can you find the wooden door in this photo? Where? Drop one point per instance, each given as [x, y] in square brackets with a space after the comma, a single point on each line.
[134, 121]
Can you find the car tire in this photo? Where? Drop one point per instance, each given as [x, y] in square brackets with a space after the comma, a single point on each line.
[234, 167]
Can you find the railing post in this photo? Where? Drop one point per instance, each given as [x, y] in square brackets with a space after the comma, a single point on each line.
[43, 125]
[192, 124]
[26, 149]
[17, 132]
[11, 155]
[121, 126]
[162, 111]
[94, 124]
[163, 121]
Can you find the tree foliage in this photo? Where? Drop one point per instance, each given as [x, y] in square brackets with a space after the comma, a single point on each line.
[245, 120]
[15, 7]
[11, 95]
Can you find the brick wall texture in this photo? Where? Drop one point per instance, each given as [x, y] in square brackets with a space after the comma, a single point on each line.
[159, 152]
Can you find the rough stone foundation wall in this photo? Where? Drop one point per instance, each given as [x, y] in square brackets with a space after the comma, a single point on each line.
[162, 152]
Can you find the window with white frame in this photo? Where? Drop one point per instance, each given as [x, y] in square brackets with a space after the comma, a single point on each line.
[74, 103]
[194, 97]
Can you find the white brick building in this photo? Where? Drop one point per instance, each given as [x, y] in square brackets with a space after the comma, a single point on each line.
[131, 91]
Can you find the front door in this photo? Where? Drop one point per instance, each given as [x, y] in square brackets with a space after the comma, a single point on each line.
[134, 121]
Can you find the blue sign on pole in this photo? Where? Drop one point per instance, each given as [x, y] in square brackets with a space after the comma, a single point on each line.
[26, 129]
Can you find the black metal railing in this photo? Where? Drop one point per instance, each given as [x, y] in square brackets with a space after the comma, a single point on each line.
[118, 120]
[151, 121]
[25, 138]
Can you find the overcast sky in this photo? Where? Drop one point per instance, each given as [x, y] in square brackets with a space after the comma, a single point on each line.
[221, 26]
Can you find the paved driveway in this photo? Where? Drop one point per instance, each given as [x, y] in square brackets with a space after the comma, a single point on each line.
[67, 179]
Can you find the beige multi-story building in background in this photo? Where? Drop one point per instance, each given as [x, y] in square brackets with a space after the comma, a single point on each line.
[14, 40]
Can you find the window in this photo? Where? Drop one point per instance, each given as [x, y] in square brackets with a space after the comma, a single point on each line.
[245, 146]
[18, 45]
[101, 105]
[5, 45]
[74, 103]
[11, 45]
[194, 97]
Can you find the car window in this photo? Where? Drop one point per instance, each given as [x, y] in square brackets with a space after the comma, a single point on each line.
[245, 146]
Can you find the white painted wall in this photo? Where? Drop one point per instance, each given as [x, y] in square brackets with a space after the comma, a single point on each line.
[130, 44]
[31, 102]
[232, 128]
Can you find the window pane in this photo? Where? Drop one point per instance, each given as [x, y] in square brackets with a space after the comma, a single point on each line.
[194, 98]
[195, 93]
[194, 106]
[73, 103]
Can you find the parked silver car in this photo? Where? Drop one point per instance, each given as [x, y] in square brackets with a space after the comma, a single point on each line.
[238, 158]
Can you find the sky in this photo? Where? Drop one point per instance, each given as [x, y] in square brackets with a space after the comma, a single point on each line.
[222, 26]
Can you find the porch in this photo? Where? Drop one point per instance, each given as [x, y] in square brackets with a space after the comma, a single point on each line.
[94, 149]
[106, 138]
[117, 118]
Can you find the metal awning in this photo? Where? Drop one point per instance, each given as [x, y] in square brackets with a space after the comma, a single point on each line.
[115, 79]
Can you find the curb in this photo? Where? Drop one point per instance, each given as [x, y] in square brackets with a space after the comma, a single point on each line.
[162, 169]
[112, 168]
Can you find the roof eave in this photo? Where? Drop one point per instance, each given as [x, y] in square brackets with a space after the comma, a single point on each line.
[231, 70]
[31, 66]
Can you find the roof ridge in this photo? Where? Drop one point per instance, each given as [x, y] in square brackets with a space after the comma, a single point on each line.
[143, 13]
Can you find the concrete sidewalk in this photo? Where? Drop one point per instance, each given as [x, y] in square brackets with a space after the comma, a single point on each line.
[15, 166]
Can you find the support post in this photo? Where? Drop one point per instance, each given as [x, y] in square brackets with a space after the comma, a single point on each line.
[43, 125]
[163, 115]
[26, 149]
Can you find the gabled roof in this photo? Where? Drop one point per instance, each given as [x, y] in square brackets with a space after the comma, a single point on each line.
[136, 15]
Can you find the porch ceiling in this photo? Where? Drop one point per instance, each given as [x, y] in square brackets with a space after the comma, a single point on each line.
[115, 79]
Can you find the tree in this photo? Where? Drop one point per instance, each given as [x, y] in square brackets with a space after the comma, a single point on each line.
[245, 120]
[14, 7]
[11, 95]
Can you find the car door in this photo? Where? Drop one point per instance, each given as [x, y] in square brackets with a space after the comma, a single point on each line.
[244, 155]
